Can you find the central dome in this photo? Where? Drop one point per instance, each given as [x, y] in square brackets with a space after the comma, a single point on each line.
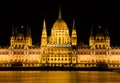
[60, 25]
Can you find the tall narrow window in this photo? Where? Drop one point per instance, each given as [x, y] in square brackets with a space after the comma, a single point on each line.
[59, 40]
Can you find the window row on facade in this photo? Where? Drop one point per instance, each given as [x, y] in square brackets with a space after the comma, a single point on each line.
[58, 59]
[52, 55]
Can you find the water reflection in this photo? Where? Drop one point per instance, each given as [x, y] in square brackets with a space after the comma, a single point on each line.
[59, 77]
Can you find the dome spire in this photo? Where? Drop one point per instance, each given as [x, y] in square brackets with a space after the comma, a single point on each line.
[60, 15]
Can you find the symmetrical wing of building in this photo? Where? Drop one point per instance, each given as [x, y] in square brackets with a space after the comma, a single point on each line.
[59, 49]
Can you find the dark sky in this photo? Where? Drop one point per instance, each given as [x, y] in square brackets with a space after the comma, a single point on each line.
[86, 13]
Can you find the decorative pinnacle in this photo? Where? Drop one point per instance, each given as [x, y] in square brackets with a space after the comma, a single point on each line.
[73, 24]
[91, 33]
[28, 30]
[12, 30]
[106, 30]
[44, 25]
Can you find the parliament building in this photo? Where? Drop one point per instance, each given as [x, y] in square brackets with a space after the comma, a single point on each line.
[60, 49]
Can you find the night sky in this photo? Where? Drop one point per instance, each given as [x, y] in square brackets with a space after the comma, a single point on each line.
[86, 13]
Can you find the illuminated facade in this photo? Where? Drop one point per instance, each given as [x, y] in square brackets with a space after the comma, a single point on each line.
[59, 49]
[21, 51]
[98, 51]
[100, 41]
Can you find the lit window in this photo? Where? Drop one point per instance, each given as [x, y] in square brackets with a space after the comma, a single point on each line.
[48, 59]
[43, 59]
[74, 59]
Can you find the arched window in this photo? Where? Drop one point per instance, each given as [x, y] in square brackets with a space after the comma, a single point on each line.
[100, 46]
[96, 46]
[59, 40]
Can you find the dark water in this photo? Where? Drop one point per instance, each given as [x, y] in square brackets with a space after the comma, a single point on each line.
[59, 77]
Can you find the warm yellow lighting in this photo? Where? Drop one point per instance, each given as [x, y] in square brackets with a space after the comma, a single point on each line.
[59, 49]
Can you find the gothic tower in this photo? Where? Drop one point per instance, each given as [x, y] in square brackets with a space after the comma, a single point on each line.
[28, 37]
[12, 37]
[74, 35]
[107, 37]
[91, 39]
[100, 40]
[19, 40]
[44, 36]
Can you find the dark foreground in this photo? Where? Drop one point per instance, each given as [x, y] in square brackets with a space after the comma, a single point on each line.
[53, 69]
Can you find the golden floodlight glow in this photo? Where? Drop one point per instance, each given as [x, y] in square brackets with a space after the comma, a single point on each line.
[60, 49]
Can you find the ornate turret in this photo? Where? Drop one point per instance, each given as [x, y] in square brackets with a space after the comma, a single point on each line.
[28, 37]
[91, 39]
[107, 36]
[44, 36]
[12, 36]
[74, 35]
[19, 40]
[100, 40]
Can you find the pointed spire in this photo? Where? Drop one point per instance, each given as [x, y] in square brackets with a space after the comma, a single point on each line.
[74, 35]
[16, 30]
[44, 25]
[91, 32]
[106, 30]
[44, 35]
[73, 24]
[12, 30]
[73, 30]
[60, 15]
[28, 31]
[44, 32]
